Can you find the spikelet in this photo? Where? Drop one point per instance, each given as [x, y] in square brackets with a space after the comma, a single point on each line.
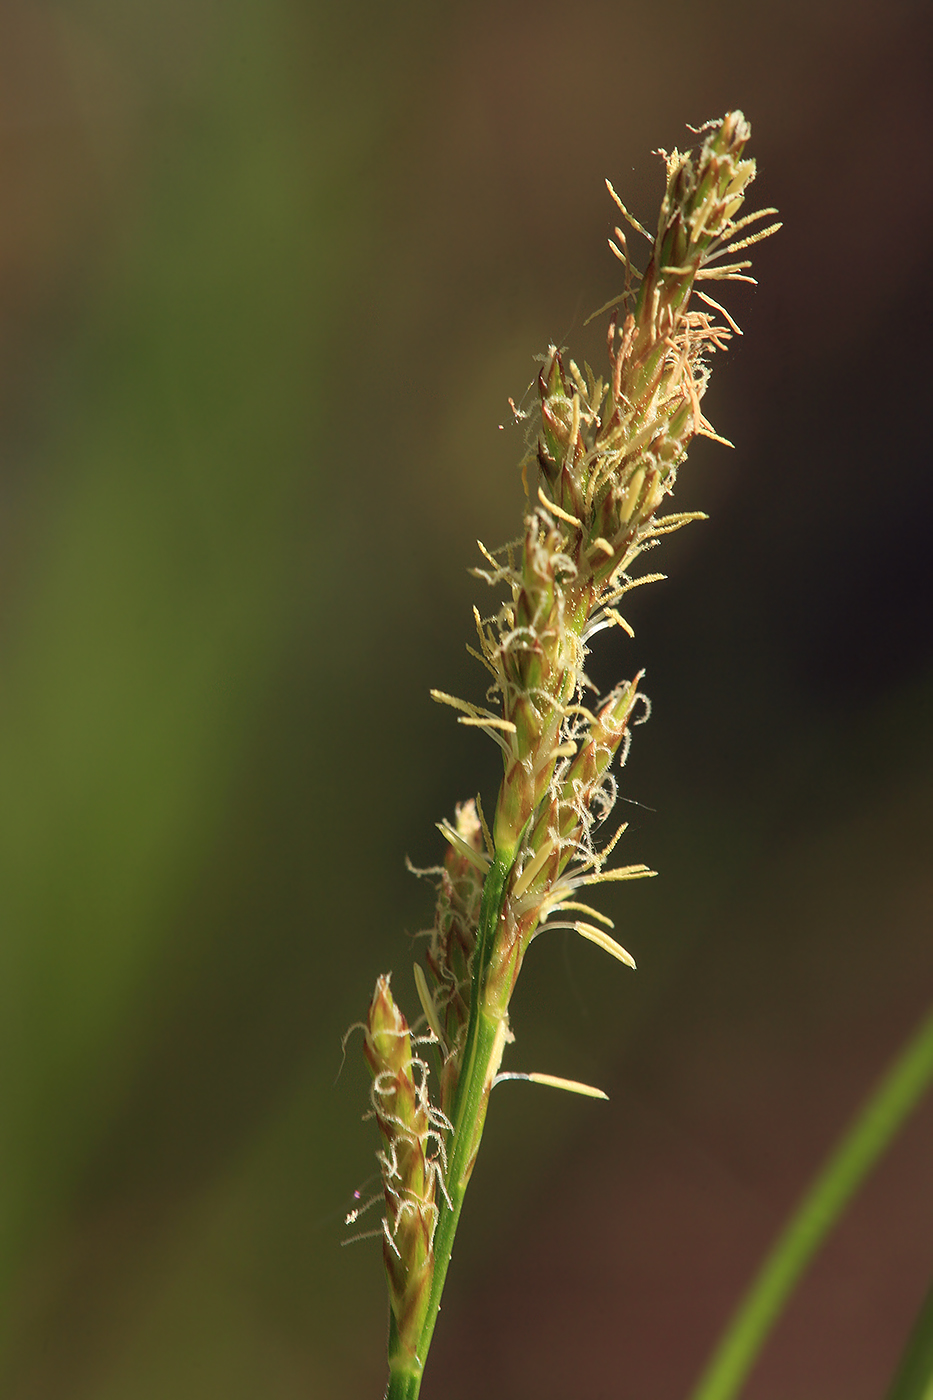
[409, 1170]
[607, 453]
[453, 940]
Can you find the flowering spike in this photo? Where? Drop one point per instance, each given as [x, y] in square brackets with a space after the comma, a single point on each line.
[602, 459]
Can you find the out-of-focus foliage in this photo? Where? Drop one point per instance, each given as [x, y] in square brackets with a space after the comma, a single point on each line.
[267, 274]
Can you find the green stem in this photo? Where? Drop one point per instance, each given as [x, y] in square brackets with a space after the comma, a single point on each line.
[482, 1042]
[914, 1379]
[403, 1385]
[861, 1147]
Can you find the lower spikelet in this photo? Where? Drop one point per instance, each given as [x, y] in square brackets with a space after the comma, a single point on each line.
[410, 1161]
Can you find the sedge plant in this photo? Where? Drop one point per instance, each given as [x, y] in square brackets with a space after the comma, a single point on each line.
[603, 455]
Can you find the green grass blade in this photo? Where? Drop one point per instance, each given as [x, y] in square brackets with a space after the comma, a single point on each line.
[866, 1140]
[914, 1379]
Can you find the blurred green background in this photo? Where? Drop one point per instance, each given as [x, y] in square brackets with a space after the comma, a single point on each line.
[268, 272]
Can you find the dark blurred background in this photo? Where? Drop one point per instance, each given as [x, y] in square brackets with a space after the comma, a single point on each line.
[268, 272]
